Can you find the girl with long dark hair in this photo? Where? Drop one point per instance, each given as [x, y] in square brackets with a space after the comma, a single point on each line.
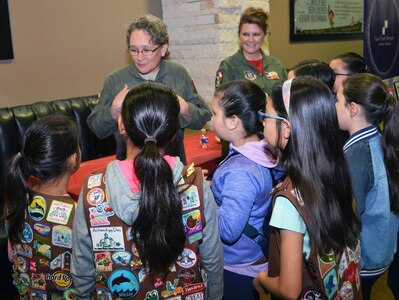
[144, 228]
[314, 228]
[38, 210]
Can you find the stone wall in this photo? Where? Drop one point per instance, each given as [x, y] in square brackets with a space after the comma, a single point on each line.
[202, 33]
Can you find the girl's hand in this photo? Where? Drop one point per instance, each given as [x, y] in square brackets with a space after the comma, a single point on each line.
[258, 282]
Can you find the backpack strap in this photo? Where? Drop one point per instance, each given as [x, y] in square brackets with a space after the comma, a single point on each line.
[251, 232]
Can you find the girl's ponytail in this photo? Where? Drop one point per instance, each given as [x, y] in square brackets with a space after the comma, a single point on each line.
[150, 114]
[17, 195]
[390, 144]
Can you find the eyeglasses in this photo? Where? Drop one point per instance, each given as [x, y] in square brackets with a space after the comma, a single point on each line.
[262, 115]
[144, 52]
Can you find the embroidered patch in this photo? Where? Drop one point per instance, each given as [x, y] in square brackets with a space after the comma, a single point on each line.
[101, 278]
[121, 258]
[190, 197]
[172, 289]
[192, 222]
[32, 266]
[97, 218]
[62, 261]
[250, 75]
[196, 296]
[187, 259]
[44, 262]
[152, 295]
[37, 208]
[129, 234]
[61, 280]
[42, 229]
[103, 294]
[107, 238]
[38, 281]
[71, 294]
[330, 281]
[62, 236]
[195, 237]
[143, 273]
[24, 250]
[95, 196]
[94, 181]
[27, 233]
[42, 246]
[194, 288]
[346, 290]
[123, 284]
[273, 75]
[326, 262]
[312, 295]
[186, 276]
[38, 295]
[136, 263]
[105, 208]
[22, 264]
[59, 212]
[218, 79]
[103, 261]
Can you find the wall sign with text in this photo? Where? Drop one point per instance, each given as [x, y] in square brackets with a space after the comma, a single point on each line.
[312, 20]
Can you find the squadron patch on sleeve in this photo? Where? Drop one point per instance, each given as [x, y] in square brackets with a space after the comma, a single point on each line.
[218, 79]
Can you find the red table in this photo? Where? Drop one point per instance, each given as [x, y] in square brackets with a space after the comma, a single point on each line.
[207, 158]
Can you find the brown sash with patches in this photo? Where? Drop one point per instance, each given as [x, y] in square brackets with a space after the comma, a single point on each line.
[42, 261]
[324, 276]
[119, 270]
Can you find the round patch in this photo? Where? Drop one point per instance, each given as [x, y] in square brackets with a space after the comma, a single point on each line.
[312, 295]
[95, 196]
[61, 279]
[71, 294]
[27, 233]
[186, 276]
[187, 259]
[123, 284]
[37, 208]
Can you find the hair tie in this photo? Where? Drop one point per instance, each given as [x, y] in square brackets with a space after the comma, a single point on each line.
[287, 94]
[150, 139]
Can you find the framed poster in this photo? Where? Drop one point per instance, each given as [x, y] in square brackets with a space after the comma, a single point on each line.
[313, 20]
[6, 51]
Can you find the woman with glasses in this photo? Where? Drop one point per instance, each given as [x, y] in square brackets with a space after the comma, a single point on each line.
[241, 185]
[147, 42]
[345, 65]
[250, 62]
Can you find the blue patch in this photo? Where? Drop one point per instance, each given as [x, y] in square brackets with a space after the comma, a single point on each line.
[123, 284]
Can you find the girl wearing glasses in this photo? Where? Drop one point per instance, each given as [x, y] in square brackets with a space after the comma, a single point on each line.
[363, 103]
[345, 65]
[241, 184]
[314, 230]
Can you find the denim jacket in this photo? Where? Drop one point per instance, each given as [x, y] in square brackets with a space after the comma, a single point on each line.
[365, 159]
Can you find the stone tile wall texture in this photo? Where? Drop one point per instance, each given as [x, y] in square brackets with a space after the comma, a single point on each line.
[202, 33]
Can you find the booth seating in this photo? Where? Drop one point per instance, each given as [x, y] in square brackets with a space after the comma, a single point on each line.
[13, 123]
